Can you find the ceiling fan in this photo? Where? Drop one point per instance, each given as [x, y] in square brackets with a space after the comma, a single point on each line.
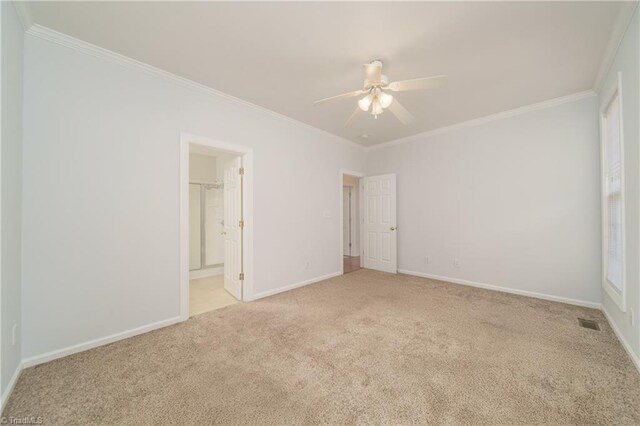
[377, 99]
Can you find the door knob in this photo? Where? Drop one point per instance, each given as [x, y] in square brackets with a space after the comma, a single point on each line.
[393, 228]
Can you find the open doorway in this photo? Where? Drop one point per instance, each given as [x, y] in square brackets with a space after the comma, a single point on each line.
[208, 206]
[213, 237]
[351, 222]
[368, 228]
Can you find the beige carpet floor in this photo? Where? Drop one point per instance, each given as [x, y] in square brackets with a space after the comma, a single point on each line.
[366, 347]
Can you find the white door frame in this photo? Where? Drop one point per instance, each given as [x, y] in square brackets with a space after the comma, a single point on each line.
[247, 206]
[341, 175]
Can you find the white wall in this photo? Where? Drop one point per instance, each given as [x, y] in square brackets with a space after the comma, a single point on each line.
[101, 194]
[627, 61]
[202, 168]
[515, 200]
[12, 55]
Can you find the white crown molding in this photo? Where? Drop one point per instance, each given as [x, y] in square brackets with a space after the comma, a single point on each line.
[23, 14]
[66, 40]
[617, 34]
[488, 118]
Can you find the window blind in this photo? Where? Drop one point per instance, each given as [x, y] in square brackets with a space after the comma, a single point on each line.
[613, 194]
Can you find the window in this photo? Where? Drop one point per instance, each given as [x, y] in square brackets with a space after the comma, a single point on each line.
[613, 195]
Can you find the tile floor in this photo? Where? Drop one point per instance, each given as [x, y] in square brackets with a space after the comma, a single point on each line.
[207, 294]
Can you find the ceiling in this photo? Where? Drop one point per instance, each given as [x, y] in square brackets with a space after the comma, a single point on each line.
[283, 56]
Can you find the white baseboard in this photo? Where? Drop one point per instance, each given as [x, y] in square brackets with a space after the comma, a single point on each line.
[60, 353]
[7, 392]
[50, 356]
[296, 285]
[207, 272]
[543, 296]
[619, 335]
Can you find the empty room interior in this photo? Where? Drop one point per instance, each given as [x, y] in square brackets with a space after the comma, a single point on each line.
[320, 212]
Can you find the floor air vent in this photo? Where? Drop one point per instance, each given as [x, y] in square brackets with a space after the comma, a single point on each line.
[590, 324]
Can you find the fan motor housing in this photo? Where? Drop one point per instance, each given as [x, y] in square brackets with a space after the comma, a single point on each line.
[384, 81]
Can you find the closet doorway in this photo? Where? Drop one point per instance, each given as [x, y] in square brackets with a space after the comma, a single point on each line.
[213, 230]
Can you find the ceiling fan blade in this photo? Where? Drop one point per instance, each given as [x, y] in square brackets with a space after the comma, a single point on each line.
[373, 72]
[343, 96]
[356, 114]
[400, 112]
[419, 83]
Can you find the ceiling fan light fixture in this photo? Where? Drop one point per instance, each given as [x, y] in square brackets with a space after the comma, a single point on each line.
[376, 109]
[374, 87]
[365, 102]
[385, 99]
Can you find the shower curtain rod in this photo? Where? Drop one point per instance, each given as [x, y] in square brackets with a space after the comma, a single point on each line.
[216, 185]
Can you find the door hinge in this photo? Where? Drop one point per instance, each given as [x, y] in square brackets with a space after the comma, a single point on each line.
[349, 244]
[241, 277]
[241, 224]
[241, 171]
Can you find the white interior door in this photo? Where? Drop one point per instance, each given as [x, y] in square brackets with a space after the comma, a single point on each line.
[379, 220]
[346, 220]
[232, 231]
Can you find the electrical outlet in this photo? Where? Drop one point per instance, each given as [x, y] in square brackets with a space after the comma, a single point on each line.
[427, 259]
[13, 334]
[306, 264]
[456, 263]
[632, 319]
